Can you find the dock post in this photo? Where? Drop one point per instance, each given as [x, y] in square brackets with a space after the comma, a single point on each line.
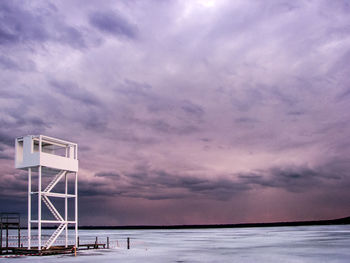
[107, 242]
[77, 242]
[39, 201]
[7, 237]
[96, 242]
[29, 207]
[128, 241]
[66, 208]
[19, 236]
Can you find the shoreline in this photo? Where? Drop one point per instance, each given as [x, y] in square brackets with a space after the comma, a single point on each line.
[339, 221]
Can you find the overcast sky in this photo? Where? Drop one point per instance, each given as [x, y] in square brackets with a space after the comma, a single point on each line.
[185, 112]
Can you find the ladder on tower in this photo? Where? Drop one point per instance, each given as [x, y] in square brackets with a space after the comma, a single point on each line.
[55, 235]
[54, 181]
[53, 210]
[42, 155]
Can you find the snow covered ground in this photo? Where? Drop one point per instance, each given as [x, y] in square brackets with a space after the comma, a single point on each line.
[275, 244]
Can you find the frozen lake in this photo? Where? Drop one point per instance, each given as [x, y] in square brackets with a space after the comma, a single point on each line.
[274, 244]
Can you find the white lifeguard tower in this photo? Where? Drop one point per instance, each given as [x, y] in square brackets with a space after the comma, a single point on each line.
[52, 160]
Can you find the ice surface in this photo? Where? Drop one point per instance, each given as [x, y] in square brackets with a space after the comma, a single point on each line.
[274, 244]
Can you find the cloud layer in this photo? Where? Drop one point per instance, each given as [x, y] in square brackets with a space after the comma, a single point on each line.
[184, 111]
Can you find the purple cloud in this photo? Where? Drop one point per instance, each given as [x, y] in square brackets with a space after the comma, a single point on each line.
[184, 105]
[113, 23]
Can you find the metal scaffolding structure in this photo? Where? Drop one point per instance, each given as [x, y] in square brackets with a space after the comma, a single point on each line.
[9, 221]
[55, 161]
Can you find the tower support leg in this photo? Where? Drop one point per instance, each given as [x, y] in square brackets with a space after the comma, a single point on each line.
[39, 208]
[66, 209]
[29, 206]
[76, 208]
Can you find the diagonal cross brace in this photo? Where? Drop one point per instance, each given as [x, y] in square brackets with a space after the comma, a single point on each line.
[55, 180]
[52, 208]
[55, 234]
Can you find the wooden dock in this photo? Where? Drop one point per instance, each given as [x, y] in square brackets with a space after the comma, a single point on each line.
[51, 251]
[9, 221]
[92, 246]
[17, 251]
[54, 250]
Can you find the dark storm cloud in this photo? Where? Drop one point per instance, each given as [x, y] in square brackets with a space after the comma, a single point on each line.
[68, 97]
[182, 116]
[110, 174]
[31, 121]
[113, 23]
[137, 92]
[22, 24]
[12, 184]
[344, 95]
[18, 119]
[292, 179]
[244, 120]
[73, 91]
[164, 127]
[5, 156]
[6, 139]
[144, 93]
[161, 182]
[72, 37]
[160, 185]
[8, 63]
[295, 113]
[192, 108]
[97, 189]
[13, 188]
